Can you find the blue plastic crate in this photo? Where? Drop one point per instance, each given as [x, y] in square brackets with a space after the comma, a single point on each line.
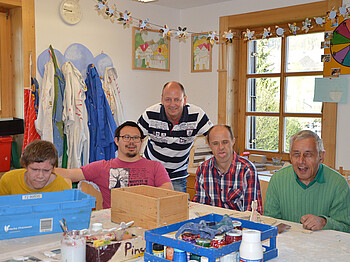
[39, 214]
[156, 236]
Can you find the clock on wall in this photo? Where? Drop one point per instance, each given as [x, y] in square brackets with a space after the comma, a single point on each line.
[70, 11]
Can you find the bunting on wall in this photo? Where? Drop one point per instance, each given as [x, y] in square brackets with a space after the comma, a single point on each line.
[125, 18]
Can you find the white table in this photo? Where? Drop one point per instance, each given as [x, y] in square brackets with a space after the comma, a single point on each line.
[293, 245]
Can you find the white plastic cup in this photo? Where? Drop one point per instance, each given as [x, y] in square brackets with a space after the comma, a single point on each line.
[73, 247]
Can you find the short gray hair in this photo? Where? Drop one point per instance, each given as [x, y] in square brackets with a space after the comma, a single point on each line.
[304, 134]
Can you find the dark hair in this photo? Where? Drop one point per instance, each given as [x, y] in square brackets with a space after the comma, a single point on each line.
[39, 151]
[128, 123]
[228, 128]
[180, 85]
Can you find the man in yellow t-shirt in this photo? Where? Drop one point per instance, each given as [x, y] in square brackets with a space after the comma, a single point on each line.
[39, 159]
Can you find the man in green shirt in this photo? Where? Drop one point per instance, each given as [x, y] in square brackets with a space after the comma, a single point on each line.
[308, 191]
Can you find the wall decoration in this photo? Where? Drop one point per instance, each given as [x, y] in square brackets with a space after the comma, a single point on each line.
[338, 36]
[150, 51]
[200, 53]
[334, 90]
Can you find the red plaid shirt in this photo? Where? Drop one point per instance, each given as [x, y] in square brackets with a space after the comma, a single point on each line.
[236, 189]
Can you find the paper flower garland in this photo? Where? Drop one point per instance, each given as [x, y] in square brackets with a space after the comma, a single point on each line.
[112, 13]
[293, 28]
[280, 31]
[249, 35]
[306, 25]
[320, 20]
[125, 18]
[212, 37]
[144, 24]
[166, 31]
[267, 33]
[181, 33]
[228, 36]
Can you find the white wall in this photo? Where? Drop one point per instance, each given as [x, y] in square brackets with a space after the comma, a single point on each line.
[139, 88]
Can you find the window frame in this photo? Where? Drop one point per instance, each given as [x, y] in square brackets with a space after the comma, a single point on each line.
[232, 78]
[282, 115]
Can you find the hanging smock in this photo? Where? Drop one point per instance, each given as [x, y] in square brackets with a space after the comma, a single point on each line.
[75, 117]
[43, 123]
[112, 92]
[101, 122]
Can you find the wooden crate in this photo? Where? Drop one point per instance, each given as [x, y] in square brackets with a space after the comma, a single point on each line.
[149, 207]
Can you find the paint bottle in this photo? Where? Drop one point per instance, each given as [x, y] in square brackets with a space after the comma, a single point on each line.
[251, 249]
[158, 250]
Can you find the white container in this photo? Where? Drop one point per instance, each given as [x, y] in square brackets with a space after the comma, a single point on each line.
[251, 248]
[73, 247]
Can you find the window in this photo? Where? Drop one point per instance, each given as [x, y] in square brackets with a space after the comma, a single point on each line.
[280, 85]
[235, 77]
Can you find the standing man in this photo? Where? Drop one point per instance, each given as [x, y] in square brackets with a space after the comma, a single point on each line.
[308, 191]
[172, 127]
[128, 169]
[38, 160]
[227, 180]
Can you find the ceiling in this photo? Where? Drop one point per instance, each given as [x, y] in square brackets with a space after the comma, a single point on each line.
[183, 4]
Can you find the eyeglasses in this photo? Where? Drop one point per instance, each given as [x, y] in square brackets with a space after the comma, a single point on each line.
[127, 138]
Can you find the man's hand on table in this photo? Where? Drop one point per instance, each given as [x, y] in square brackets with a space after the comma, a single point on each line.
[313, 222]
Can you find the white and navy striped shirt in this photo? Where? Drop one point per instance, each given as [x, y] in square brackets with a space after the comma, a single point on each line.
[171, 144]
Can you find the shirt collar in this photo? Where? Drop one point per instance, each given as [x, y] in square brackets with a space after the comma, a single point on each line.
[319, 178]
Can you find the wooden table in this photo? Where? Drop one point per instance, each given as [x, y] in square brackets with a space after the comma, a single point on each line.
[295, 244]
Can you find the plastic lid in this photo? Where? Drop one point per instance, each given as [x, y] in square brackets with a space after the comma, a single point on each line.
[236, 223]
[251, 235]
[234, 233]
[178, 250]
[158, 247]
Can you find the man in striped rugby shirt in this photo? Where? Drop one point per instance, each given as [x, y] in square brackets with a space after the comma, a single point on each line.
[172, 127]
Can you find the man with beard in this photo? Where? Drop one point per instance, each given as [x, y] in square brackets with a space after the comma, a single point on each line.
[128, 169]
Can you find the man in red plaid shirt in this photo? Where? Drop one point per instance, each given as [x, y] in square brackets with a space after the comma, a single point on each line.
[227, 180]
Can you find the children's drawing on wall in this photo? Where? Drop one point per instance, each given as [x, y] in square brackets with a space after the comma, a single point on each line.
[151, 51]
[200, 53]
[334, 90]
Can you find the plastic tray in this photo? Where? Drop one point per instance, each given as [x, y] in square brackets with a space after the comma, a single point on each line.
[38, 214]
[268, 233]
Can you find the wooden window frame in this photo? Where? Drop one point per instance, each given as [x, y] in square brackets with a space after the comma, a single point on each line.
[231, 110]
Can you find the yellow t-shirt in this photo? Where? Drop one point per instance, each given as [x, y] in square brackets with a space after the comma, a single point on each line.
[13, 183]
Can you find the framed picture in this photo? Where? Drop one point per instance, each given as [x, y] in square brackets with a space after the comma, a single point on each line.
[150, 51]
[200, 53]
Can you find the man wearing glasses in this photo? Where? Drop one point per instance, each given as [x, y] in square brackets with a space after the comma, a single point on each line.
[128, 169]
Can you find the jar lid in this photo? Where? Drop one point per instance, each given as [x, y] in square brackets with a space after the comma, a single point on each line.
[234, 233]
[178, 250]
[251, 236]
[236, 223]
[158, 247]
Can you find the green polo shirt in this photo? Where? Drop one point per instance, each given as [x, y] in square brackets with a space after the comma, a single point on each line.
[318, 178]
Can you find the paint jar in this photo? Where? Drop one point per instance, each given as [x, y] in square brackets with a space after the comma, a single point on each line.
[218, 241]
[169, 253]
[233, 235]
[73, 247]
[179, 255]
[158, 250]
[204, 242]
[251, 248]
